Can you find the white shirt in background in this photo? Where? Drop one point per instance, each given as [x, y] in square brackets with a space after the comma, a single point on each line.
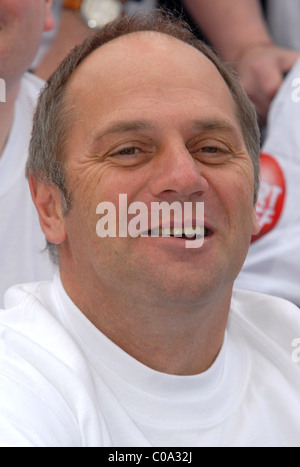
[273, 262]
[21, 238]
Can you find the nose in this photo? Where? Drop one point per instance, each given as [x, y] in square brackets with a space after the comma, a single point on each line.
[177, 175]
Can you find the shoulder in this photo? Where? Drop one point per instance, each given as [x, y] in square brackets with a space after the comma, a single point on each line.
[30, 370]
[259, 304]
[266, 319]
[42, 371]
[29, 327]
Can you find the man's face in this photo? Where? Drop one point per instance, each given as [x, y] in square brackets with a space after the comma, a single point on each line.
[154, 120]
[21, 25]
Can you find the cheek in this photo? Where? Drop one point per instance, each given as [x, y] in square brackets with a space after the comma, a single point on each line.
[236, 196]
[91, 189]
[22, 20]
[15, 7]
[242, 182]
[27, 13]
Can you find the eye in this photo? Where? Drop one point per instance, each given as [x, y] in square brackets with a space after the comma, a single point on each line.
[130, 155]
[211, 154]
[124, 150]
[128, 152]
[210, 150]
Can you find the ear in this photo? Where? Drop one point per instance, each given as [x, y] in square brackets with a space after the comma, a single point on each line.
[48, 202]
[49, 20]
[255, 225]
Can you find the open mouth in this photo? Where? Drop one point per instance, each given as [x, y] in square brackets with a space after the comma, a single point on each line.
[185, 233]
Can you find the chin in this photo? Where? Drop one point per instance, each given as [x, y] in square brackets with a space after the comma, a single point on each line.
[189, 293]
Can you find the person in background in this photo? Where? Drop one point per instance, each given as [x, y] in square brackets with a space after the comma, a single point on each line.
[48, 36]
[273, 262]
[245, 42]
[21, 239]
[70, 30]
[140, 340]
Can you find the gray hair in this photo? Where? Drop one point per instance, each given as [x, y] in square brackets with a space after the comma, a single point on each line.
[53, 116]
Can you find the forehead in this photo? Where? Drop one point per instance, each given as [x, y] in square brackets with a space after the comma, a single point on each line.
[147, 68]
[146, 55]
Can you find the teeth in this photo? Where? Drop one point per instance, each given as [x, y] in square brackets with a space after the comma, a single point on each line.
[177, 231]
[155, 232]
[192, 231]
[189, 232]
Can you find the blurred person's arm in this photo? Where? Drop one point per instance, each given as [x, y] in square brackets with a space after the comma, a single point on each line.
[237, 30]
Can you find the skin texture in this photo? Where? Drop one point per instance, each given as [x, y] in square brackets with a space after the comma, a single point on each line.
[161, 128]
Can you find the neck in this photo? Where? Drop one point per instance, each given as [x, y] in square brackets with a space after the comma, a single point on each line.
[181, 339]
[7, 115]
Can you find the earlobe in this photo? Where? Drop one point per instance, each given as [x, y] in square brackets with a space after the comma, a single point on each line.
[48, 202]
[49, 20]
[255, 225]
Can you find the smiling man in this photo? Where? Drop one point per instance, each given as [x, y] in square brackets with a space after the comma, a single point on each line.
[131, 344]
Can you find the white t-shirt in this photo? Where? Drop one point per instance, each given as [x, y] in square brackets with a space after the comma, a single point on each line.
[63, 383]
[21, 238]
[273, 262]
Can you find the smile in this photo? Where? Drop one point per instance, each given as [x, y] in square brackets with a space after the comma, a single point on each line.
[186, 233]
[176, 220]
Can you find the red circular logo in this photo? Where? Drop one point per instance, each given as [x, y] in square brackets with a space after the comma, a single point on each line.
[271, 195]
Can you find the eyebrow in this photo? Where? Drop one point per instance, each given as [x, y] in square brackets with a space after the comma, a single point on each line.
[118, 127]
[216, 125]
